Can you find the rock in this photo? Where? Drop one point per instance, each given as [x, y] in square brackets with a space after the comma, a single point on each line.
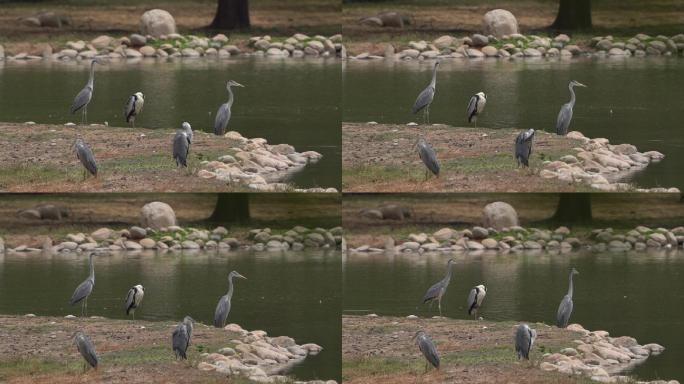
[479, 233]
[499, 22]
[490, 243]
[531, 52]
[157, 215]
[137, 40]
[490, 51]
[189, 52]
[189, 244]
[101, 41]
[479, 40]
[157, 22]
[443, 234]
[101, 234]
[499, 215]
[132, 53]
[148, 51]
[148, 243]
[137, 233]
[444, 41]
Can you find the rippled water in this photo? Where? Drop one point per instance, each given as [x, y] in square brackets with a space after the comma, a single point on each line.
[629, 100]
[635, 294]
[277, 297]
[284, 100]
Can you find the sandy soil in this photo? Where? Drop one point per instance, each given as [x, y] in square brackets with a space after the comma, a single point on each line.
[40, 158]
[40, 350]
[380, 350]
[381, 158]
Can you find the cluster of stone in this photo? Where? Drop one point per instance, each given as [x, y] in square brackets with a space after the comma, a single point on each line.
[260, 358]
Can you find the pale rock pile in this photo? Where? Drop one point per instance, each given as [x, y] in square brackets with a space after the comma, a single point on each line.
[599, 356]
[258, 357]
[600, 164]
[257, 165]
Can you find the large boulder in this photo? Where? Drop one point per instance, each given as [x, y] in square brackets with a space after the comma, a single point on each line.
[157, 215]
[157, 22]
[499, 22]
[499, 215]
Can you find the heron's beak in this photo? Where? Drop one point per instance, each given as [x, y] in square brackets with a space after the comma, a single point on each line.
[582, 85]
[240, 276]
[238, 84]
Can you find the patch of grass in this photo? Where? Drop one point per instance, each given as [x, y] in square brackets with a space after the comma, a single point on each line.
[32, 174]
[376, 366]
[34, 366]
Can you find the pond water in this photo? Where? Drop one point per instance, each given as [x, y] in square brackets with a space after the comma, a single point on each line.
[638, 295]
[284, 100]
[632, 100]
[277, 297]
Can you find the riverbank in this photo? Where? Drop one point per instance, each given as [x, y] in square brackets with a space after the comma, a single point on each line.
[379, 349]
[173, 238]
[39, 349]
[481, 159]
[39, 158]
[518, 239]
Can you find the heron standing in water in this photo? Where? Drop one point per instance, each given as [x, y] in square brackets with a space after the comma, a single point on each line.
[85, 155]
[83, 98]
[223, 114]
[427, 347]
[565, 307]
[524, 339]
[523, 147]
[84, 289]
[565, 114]
[223, 306]
[425, 98]
[133, 107]
[439, 289]
[428, 156]
[86, 349]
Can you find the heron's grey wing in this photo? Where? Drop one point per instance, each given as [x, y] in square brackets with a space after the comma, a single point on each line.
[222, 118]
[563, 121]
[130, 297]
[81, 292]
[85, 155]
[188, 328]
[564, 312]
[85, 347]
[222, 309]
[522, 342]
[472, 299]
[424, 99]
[179, 341]
[432, 292]
[130, 108]
[82, 99]
[429, 351]
[180, 149]
[429, 157]
[472, 108]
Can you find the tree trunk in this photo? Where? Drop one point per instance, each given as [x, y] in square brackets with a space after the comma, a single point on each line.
[573, 208]
[231, 14]
[573, 15]
[231, 208]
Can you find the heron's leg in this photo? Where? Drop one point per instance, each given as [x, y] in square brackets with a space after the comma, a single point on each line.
[85, 113]
[86, 306]
[427, 110]
[439, 305]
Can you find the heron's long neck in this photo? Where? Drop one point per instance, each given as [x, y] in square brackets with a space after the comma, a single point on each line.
[230, 96]
[230, 287]
[570, 286]
[434, 77]
[447, 277]
[91, 79]
[92, 270]
[572, 94]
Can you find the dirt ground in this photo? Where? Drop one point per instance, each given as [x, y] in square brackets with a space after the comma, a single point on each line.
[433, 18]
[40, 350]
[380, 350]
[40, 158]
[90, 18]
[381, 158]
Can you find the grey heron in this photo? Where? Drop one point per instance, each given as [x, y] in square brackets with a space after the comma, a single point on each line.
[223, 113]
[84, 289]
[476, 106]
[83, 98]
[85, 155]
[524, 339]
[425, 98]
[223, 306]
[428, 156]
[133, 107]
[565, 114]
[427, 347]
[180, 339]
[523, 147]
[475, 298]
[181, 144]
[437, 290]
[134, 299]
[86, 349]
[565, 307]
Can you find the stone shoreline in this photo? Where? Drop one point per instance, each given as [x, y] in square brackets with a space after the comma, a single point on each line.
[175, 238]
[518, 239]
[137, 46]
[259, 358]
[517, 45]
